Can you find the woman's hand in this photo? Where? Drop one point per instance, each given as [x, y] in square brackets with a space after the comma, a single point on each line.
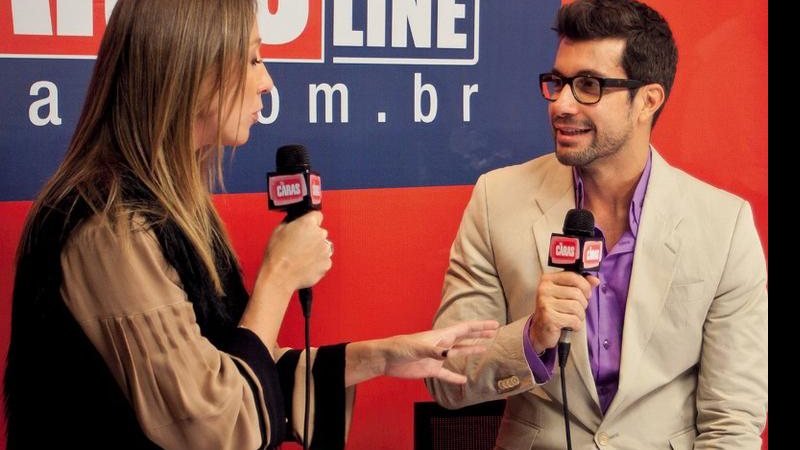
[418, 355]
[298, 254]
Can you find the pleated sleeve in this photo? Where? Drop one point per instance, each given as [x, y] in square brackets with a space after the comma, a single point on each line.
[187, 393]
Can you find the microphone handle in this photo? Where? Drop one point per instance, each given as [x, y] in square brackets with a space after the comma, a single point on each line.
[564, 344]
[565, 340]
[305, 300]
[566, 336]
[295, 212]
[304, 294]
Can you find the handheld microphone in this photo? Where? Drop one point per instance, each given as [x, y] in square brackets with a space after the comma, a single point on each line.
[295, 188]
[576, 250]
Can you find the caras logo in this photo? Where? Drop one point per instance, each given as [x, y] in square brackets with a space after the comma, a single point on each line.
[58, 29]
[564, 249]
[287, 189]
[428, 32]
[290, 29]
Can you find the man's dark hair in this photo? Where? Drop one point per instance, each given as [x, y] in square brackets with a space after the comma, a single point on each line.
[650, 53]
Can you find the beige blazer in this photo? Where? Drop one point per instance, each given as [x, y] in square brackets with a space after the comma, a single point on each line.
[693, 368]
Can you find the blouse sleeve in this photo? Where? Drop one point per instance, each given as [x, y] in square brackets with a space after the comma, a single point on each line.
[330, 406]
[186, 393]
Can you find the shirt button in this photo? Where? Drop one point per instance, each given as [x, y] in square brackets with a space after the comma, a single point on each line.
[606, 344]
[604, 288]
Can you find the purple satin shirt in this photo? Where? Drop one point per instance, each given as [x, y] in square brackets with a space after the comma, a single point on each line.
[605, 315]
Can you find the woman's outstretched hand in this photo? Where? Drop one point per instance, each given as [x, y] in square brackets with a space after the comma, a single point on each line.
[418, 355]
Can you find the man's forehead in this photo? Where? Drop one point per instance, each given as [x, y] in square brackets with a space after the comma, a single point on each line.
[600, 56]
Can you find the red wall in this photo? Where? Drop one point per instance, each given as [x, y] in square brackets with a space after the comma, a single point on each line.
[715, 122]
[395, 241]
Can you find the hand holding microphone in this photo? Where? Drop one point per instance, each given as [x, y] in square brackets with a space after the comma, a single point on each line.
[293, 187]
[300, 250]
[298, 254]
[562, 297]
[296, 189]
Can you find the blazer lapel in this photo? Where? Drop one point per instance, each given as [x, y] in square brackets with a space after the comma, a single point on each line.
[656, 253]
[558, 197]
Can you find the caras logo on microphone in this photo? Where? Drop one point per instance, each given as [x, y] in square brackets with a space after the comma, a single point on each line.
[287, 189]
[592, 254]
[564, 250]
[316, 189]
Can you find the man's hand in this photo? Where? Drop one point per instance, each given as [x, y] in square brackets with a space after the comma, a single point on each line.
[561, 302]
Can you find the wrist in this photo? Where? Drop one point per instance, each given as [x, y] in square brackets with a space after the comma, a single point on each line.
[364, 360]
[266, 307]
[273, 280]
[538, 347]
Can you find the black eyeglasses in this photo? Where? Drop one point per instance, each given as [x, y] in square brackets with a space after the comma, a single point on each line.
[586, 89]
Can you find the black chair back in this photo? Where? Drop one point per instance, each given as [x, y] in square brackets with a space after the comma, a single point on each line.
[470, 428]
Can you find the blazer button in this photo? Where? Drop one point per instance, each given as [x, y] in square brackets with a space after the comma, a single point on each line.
[602, 438]
[507, 384]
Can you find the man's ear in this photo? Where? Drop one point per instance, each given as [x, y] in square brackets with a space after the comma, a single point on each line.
[650, 98]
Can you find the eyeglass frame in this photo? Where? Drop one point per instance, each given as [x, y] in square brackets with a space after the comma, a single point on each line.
[604, 83]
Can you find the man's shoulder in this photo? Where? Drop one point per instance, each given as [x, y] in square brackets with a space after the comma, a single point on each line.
[705, 212]
[528, 175]
[541, 178]
[539, 165]
[702, 193]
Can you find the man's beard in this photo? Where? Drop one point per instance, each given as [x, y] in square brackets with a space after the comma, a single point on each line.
[602, 145]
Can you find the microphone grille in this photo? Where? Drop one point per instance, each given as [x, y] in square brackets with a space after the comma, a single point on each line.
[291, 156]
[579, 222]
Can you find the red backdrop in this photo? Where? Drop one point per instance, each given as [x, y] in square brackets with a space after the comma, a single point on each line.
[714, 126]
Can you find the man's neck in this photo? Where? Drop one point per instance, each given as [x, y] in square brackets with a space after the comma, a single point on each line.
[608, 188]
[609, 184]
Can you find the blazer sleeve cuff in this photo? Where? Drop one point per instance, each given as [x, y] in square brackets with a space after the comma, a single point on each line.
[541, 365]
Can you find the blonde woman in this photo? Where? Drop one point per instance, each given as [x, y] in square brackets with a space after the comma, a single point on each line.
[131, 326]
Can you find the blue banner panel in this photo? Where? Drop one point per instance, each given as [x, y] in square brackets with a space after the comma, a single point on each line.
[394, 93]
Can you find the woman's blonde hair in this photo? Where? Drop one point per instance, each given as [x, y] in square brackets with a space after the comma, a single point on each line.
[161, 64]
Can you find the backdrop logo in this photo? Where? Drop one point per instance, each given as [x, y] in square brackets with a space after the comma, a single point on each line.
[406, 31]
[292, 30]
[362, 32]
[52, 28]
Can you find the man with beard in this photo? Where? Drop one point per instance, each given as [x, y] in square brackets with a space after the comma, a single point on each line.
[669, 348]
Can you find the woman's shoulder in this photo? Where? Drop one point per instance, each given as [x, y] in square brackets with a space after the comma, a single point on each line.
[116, 267]
[115, 229]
